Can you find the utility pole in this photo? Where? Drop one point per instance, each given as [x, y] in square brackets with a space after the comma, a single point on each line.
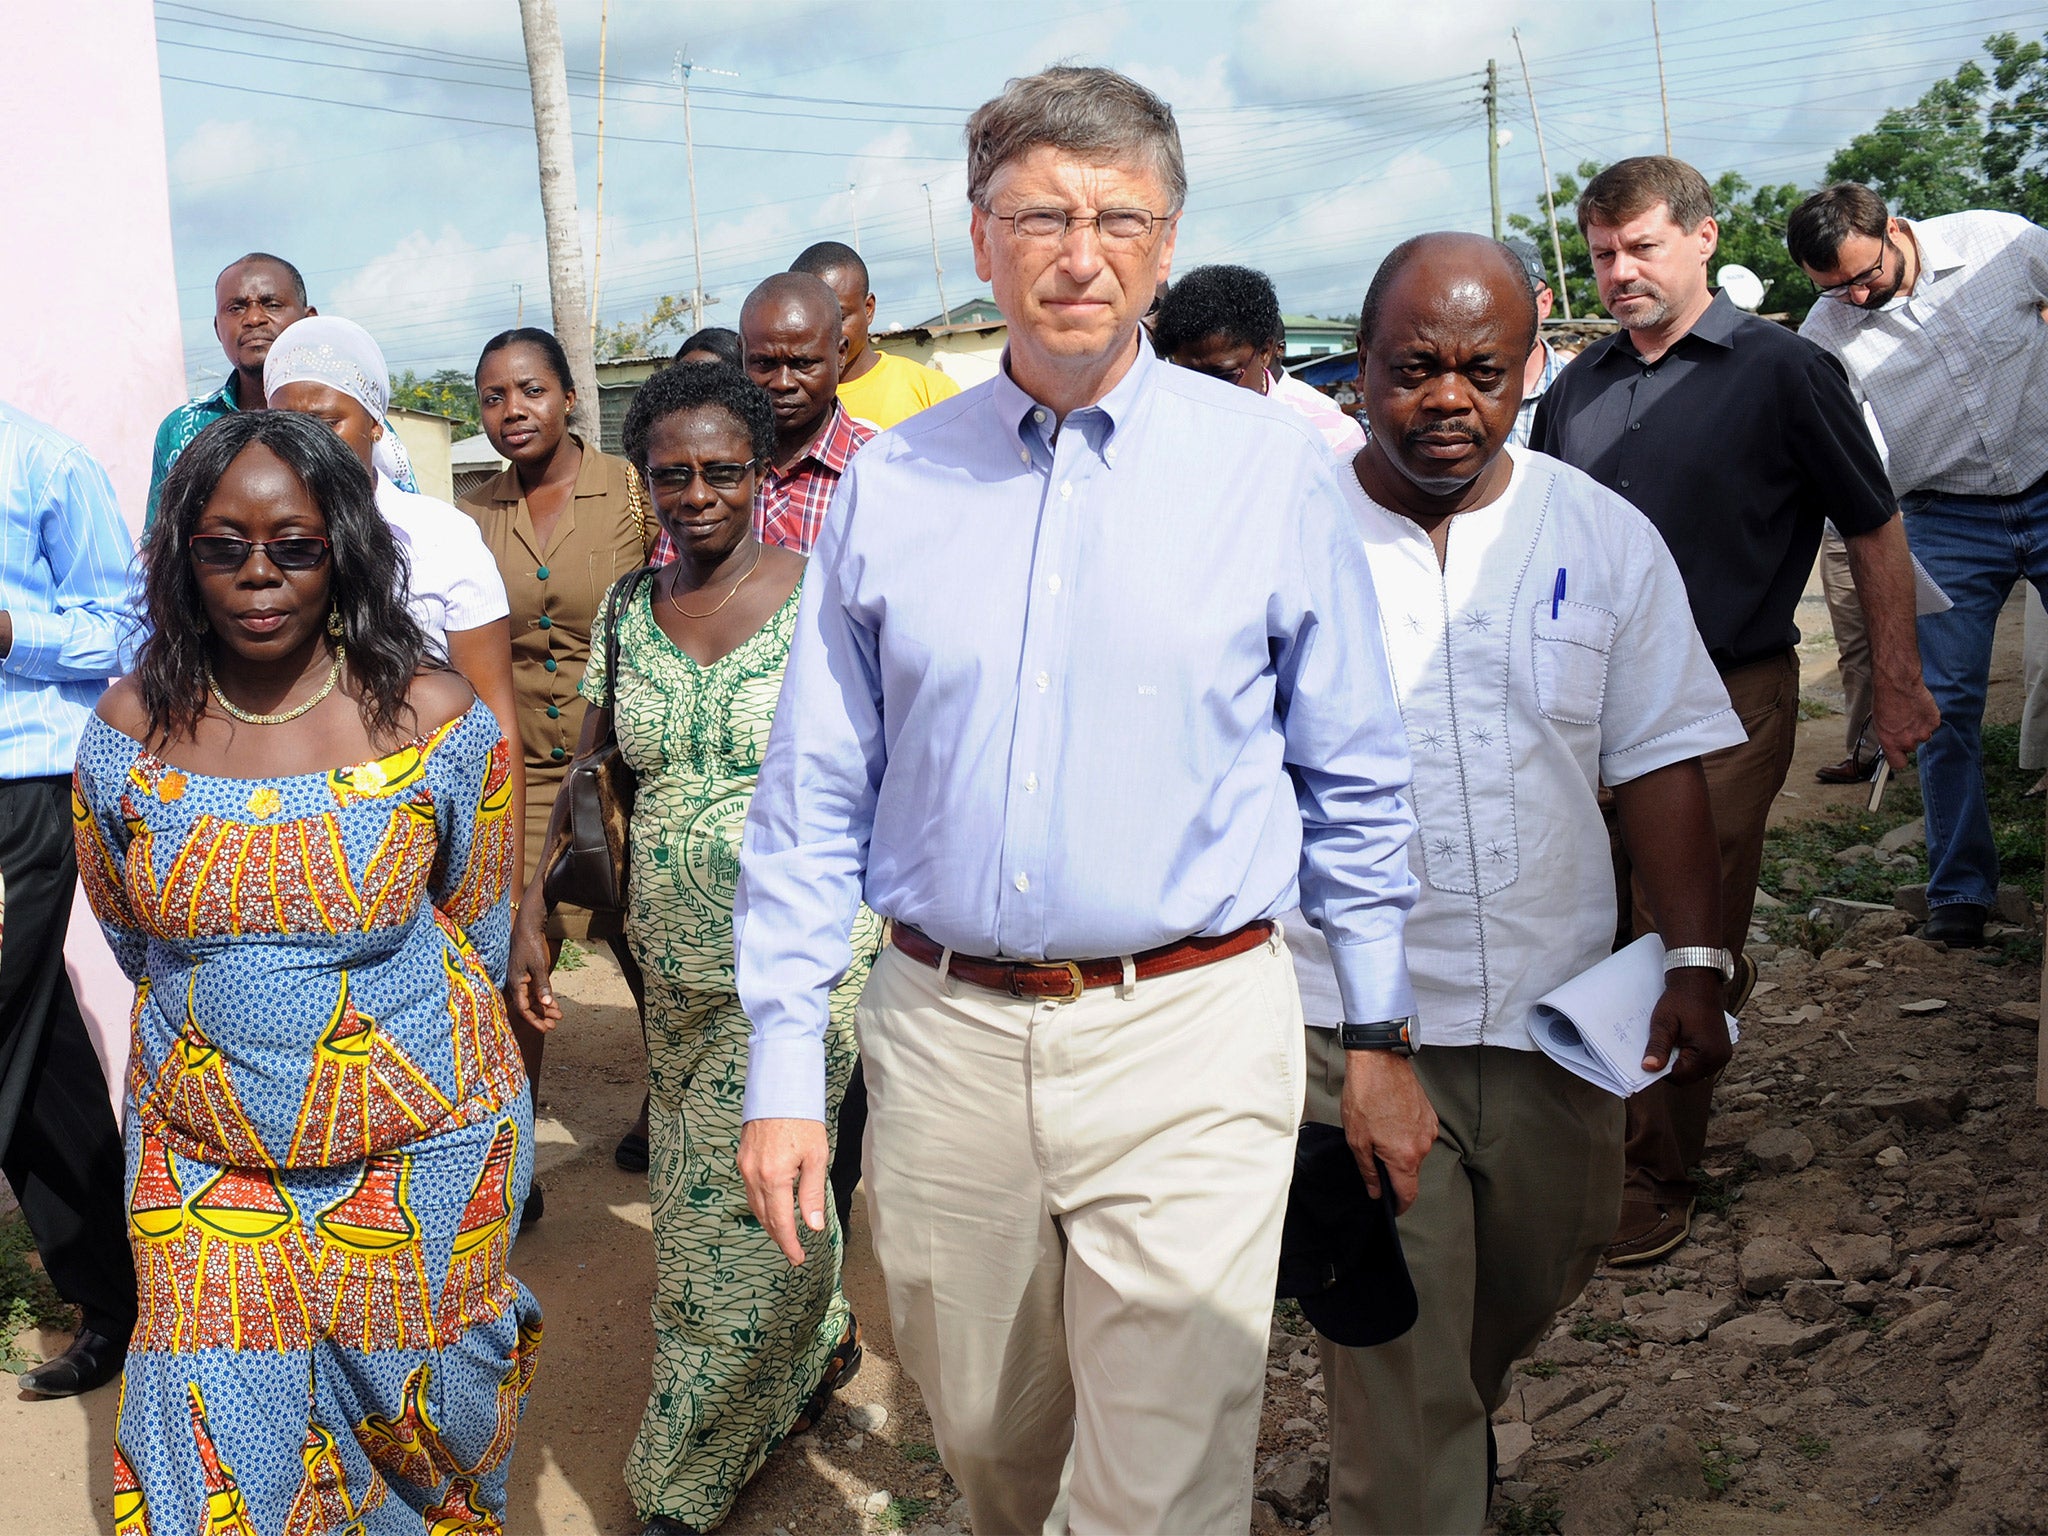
[1493, 141]
[1663, 96]
[1563, 289]
[938, 272]
[683, 68]
[519, 300]
[568, 298]
[853, 202]
[604, 18]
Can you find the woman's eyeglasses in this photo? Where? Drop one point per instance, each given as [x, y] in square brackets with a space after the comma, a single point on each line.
[674, 479]
[221, 552]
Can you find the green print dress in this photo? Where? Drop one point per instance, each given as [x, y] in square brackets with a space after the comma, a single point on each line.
[741, 1336]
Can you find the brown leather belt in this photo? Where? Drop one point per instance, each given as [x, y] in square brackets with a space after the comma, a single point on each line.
[1067, 979]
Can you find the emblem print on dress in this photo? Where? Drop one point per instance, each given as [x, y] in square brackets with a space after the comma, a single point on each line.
[324, 1504]
[254, 1269]
[380, 1289]
[131, 1508]
[366, 1094]
[226, 1512]
[477, 1287]
[195, 1090]
[165, 1263]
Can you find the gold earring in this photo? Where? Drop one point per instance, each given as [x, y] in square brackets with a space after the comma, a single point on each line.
[334, 625]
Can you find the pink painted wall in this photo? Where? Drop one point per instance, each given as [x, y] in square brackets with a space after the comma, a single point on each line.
[89, 338]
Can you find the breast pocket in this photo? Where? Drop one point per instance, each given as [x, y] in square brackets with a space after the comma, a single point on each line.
[1572, 652]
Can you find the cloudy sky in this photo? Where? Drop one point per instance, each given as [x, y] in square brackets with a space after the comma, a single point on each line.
[387, 147]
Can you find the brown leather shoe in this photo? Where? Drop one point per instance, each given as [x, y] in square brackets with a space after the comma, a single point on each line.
[1850, 770]
[1647, 1231]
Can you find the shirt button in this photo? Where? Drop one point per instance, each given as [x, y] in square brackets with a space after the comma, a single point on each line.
[546, 622]
[1635, 426]
[1024, 454]
[550, 662]
[558, 754]
[1022, 882]
[1044, 681]
[1030, 783]
[1038, 416]
[1052, 583]
[541, 574]
[1624, 485]
[1066, 490]
[554, 713]
[1109, 453]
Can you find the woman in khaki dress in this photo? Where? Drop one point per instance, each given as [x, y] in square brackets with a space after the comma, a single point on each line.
[563, 522]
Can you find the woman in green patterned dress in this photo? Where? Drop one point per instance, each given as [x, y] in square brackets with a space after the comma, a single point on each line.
[747, 1347]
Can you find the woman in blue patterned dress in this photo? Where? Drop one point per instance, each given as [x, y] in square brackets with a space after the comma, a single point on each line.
[299, 838]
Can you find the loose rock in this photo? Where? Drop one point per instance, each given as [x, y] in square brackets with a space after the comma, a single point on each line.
[1772, 1336]
[1677, 1316]
[1298, 1487]
[867, 1417]
[1852, 1257]
[1660, 1463]
[1767, 1263]
[1780, 1150]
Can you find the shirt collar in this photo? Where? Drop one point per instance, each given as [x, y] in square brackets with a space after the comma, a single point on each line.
[1717, 326]
[1098, 423]
[1937, 256]
[224, 397]
[831, 449]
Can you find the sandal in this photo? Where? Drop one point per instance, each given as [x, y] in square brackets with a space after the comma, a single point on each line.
[839, 1370]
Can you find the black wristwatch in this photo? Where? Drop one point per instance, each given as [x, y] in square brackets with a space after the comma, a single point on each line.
[1387, 1035]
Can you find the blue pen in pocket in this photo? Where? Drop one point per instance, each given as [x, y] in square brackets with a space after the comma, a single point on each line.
[1557, 592]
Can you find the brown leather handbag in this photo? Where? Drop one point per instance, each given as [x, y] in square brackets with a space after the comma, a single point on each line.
[587, 861]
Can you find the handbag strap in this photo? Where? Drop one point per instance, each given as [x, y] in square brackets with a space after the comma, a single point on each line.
[616, 601]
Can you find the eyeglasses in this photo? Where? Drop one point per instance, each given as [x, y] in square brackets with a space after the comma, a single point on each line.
[221, 552]
[674, 479]
[1124, 226]
[1868, 277]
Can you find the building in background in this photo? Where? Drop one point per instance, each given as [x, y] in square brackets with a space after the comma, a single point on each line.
[428, 436]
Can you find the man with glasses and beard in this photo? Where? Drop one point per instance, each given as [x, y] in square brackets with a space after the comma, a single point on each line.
[1737, 440]
[1081, 728]
[1939, 324]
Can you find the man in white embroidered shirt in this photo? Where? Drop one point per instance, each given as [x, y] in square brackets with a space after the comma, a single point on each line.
[1939, 325]
[1541, 646]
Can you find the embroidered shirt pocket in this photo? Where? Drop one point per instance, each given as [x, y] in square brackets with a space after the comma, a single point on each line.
[1571, 655]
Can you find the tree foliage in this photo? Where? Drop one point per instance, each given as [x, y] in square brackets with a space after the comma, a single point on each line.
[669, 321]
[449, 392]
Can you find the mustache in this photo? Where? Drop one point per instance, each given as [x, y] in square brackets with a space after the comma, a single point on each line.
[1638, 290]
[1443, 434]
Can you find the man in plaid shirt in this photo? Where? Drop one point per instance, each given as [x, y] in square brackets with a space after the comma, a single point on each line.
[793, 345]
[1939, 323]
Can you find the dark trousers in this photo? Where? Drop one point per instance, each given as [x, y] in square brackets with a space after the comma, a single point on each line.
[853, 1124]
[58, 1144]
[1667, 1124]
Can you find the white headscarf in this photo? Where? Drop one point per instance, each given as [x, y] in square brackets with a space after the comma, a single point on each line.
[326, 349]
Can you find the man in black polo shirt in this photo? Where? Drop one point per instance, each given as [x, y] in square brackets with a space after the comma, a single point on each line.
[1737, 439]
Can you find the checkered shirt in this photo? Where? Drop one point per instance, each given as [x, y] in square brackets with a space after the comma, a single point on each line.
[1956, 374]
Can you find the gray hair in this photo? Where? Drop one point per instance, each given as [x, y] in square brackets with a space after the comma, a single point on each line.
[1097, 114]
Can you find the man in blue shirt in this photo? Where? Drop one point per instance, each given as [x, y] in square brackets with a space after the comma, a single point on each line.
[1087, 687]
[65, 629]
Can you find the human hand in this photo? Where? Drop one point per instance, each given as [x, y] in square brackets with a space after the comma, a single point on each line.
[1690, 1016]
[1387, 1114]
[529, 989]
[1904, 715]
[774, 1155]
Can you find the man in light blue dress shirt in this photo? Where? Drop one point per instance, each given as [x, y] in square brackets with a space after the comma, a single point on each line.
[1087, 687]
[65, 628]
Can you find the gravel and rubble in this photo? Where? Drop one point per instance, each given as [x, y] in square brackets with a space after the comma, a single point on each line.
[1856, 1337]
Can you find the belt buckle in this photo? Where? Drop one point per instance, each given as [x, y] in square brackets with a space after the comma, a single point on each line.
[1076, 985]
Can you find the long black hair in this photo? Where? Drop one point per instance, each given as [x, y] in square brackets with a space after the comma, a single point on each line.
[368, 573]
[686, 386]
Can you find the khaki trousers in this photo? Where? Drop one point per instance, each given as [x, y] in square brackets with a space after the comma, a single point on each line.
[1667, 1124]
[1077, 1209]
[1518, 1198]
[1852, 642]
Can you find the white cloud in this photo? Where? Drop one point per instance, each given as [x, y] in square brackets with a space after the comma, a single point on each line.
[219, 151]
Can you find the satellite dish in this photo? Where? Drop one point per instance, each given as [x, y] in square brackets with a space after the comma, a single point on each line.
[1744, 288]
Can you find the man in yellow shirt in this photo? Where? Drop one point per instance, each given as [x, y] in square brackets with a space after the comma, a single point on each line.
[875, 387]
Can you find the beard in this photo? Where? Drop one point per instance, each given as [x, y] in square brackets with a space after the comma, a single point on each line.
[1641, 317]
